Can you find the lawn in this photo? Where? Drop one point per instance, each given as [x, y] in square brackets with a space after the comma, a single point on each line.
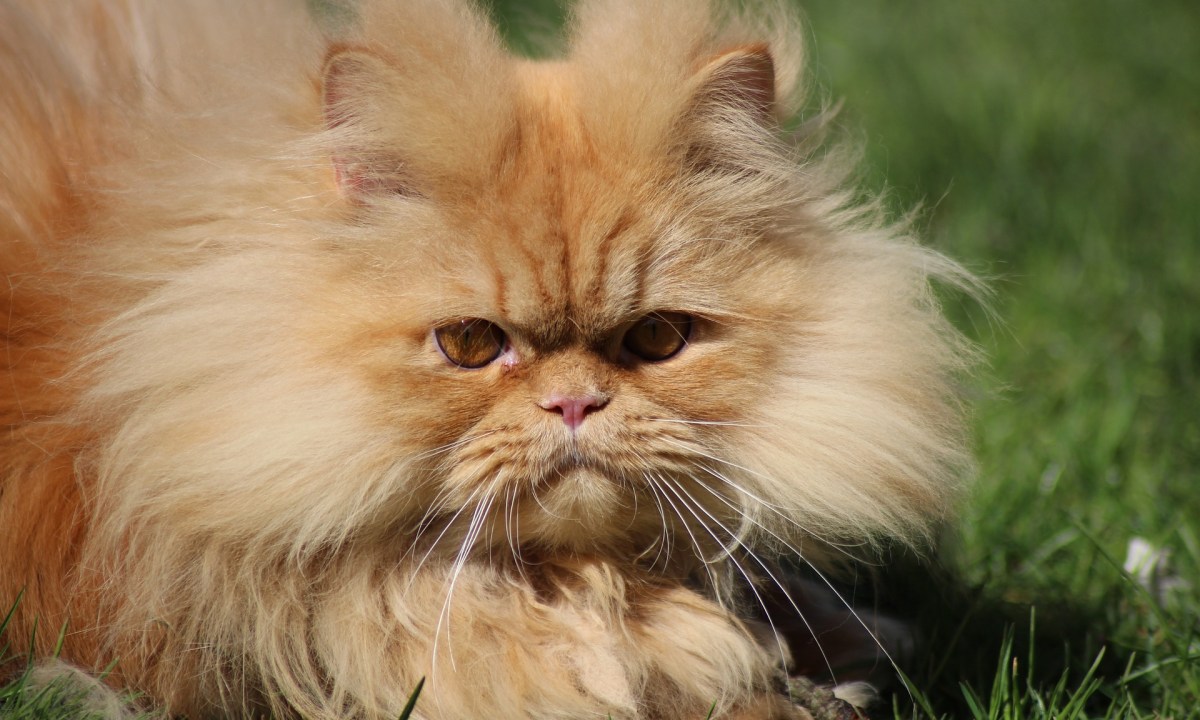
[1055, 149]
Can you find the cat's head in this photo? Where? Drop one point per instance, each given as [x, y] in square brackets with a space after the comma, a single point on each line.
[582, 304]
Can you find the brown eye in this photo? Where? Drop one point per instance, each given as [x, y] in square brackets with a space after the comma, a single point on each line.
[658, 336]
[470, 343]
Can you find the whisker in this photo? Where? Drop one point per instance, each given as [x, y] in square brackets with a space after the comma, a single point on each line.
[449, 523]
[545, 509]
[712, 578]
[697, 451]
[441, 449]
[849, 608]
[664, 540]
[860, 621]
[658, 489]
[675, 488]
[680, 421]
[438, 504]
[754, 556]
[763, 503]
[510, 508]
[435, 505]
[478, 519]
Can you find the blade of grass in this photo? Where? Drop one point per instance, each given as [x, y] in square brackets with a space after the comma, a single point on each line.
[412, 701]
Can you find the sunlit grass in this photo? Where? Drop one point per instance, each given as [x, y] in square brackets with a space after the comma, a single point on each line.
[1056, 149]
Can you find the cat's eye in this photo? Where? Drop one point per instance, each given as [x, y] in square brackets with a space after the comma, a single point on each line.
[470, 343]
[658, 335]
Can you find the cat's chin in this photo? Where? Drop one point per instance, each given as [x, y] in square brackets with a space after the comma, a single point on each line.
[580, 509]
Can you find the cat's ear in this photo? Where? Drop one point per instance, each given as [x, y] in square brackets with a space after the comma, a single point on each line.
[731, 116]
[739, 82]
[354, 85]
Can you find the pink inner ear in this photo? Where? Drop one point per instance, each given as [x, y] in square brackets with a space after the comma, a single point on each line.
[353, 184]
[333, 91]
[359, 170]
[339, 68]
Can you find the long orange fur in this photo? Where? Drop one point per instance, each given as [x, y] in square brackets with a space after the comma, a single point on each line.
[235, 463]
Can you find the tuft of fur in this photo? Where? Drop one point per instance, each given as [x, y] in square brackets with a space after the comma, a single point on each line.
[80, 694]
[236, 463]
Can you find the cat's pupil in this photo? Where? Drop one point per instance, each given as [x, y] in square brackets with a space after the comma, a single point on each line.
[470, 343]
[658, 336]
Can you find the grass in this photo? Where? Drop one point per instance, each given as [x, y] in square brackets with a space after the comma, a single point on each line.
[25, 698]
[1055, 148]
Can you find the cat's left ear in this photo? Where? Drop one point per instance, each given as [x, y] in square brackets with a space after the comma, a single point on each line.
[731, 117]
[353, 83]
[739, 83]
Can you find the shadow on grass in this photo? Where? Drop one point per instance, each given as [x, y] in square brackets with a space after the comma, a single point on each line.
[975, 651]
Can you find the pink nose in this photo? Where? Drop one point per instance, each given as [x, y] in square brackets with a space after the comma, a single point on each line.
[573, 408]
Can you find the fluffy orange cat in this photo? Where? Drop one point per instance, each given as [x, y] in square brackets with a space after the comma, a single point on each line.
[341, 355]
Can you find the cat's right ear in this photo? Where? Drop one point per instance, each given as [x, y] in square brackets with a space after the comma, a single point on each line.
[353, 84]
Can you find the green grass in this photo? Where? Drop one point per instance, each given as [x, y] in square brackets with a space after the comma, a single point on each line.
[25, 698]
[1055, 148]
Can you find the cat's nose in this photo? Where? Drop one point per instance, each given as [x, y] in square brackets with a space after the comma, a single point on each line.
[573, 408]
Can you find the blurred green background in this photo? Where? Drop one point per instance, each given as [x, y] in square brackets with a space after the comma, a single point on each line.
[1054, 148]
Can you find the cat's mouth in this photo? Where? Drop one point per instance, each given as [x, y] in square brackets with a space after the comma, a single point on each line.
[575, 458]
[578, 490]
[577, 478]
[581, 492]
[577, 502]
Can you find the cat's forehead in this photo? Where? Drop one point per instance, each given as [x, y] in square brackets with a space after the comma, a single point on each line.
[557, 271]
[567, 231]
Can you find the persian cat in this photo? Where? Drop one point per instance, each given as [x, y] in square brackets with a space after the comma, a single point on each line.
[348, 353]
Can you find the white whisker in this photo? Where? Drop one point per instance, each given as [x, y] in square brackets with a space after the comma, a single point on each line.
[664, 540]
[753, 556]
[435, 506]
[761, 502]
[722, 423]
[474, 528]
[510, 509]
[442, 449]
[861, 622]
[675, 488]
[823, 578]
[697, 451]
[446, 528]
[659, 482]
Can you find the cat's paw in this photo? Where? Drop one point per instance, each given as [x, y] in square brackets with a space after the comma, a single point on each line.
[819, 702]
[773, 707]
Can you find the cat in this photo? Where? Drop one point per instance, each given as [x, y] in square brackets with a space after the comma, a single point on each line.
[346, 349]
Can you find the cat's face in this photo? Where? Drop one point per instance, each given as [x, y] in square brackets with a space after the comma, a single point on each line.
[579, 342]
